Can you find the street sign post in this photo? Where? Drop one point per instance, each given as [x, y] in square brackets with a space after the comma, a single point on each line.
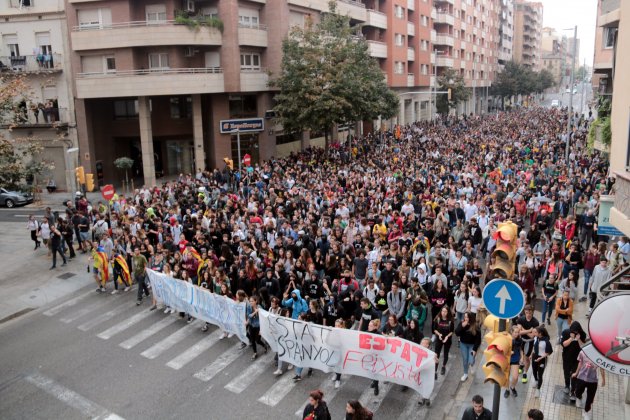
[503, 298]
[247, 160]
[108, 192]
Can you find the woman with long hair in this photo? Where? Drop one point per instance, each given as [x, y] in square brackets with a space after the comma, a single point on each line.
[316, 409]
[443, 329]
[564, 313]
[542, 351]
[252, 320]
[470, 340]
[516, 359]
[355, 411]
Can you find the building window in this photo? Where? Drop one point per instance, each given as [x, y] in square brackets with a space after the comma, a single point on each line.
[609, 37]
[156, 13]
[11, 42]
[424, 69]
[125, 109]
[399, 40]
[212, 12]
[250, 61]
[424, 45]
[95, 18]
[158, 61]
[424, 20]
[110, 64]
[399, 11]
[181, 107]
[248, 17]
[399, 67]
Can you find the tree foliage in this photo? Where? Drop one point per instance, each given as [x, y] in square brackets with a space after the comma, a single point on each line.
[17, 163]
[328, 77]
[453, 80]
[517, 79]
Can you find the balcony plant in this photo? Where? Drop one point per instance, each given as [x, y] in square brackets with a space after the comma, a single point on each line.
[124, 163]
[197, 21]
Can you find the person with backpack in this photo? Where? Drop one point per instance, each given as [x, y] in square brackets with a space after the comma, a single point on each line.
[355, 411]
[396, 301]
[316, 409]
[542, 350]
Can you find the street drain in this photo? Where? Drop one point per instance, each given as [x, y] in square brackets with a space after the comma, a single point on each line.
[66, 276]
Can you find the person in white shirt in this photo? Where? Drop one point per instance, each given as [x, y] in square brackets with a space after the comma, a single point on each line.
[407, 208]
[371, 290]
[470, 210]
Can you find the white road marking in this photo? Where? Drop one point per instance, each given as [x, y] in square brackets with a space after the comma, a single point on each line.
[249, 375]
[71, 302]
[220, 363]
[190, 354]
[371, 401]
[122, 326]
[104, 317]
[279, 390]
[160, 347]
[86, 407]
[71, 317]
[328, 388]
[144, 334]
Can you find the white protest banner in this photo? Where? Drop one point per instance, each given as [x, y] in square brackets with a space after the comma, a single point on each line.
[350, 352]
[200, 303]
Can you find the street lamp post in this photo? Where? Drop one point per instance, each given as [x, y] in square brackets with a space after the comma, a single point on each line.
[569, 121]
[70, 179]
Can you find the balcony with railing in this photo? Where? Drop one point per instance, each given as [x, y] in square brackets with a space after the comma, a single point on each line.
[411, 29]
[433, 35]
[41, 63]
[254, 80]
[353, 9]
[376, 19]
[39, 116]
[411, 54]
[377, 49]
[147, 82]
[252, 35]
[444, 39]
[142, 34]
[444, 18]
[411, 5]
[444, 61]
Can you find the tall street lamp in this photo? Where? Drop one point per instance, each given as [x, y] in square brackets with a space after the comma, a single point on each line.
[570, 119]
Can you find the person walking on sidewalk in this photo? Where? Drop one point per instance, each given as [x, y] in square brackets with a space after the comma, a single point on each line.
[55, 245]
[516, 360]
[591, 259]
[470, 337]
[33, 226]
[564, 313]
[528, 324]
[139, 265]
[542, 351]
[316, 409]
[586, 376]
[477, 411]
[549, 293]
[601, 274]
[572, 340]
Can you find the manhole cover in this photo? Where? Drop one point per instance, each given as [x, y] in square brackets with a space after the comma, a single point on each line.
[65, 276]
[559, 397]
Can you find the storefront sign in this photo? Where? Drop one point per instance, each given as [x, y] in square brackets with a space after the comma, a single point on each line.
[248, 125]
[603, 220]
[199, 303]
[609, 329]
[350, 352]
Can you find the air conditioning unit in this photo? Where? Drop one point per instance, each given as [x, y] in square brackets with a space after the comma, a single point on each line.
[190, 6]
[190, 52]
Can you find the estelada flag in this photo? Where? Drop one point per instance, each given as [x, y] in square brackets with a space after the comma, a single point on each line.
[194, 253]
[125, 269]
[101, 262]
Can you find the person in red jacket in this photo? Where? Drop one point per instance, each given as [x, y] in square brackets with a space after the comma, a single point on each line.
[526, 281]
[591, 259]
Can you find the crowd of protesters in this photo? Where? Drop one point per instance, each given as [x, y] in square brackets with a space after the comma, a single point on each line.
[392, 235]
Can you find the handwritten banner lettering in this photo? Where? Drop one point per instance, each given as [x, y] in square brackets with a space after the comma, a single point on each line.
[350, 352]
[199, 303]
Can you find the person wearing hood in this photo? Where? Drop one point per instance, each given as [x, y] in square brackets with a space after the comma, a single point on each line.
[572, 339]
[296, 303]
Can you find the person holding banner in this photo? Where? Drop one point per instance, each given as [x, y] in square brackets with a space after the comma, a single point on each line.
[253, 326]
[374, 327]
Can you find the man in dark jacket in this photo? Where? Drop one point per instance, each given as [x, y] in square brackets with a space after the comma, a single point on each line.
[477, 411]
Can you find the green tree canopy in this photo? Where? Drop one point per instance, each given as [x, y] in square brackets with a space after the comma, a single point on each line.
[453, 80]
[328, 76]
[517, 79]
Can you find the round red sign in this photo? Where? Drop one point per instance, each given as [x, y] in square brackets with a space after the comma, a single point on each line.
[108, 192]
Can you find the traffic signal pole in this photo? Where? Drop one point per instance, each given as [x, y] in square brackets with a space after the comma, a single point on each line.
[496, 398]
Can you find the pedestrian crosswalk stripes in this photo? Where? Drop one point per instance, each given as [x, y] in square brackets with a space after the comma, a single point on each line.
[160, 347]
[220, 363]
[103, 317]
[213, 362]
[71, 302]
[189, 355]
[148, 332]
[278, 391]
[250, 374]
[123, 325]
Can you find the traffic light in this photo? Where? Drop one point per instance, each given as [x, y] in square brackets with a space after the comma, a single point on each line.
[80, 175]
[229, 163]
[497, 365]
[449, 94]
[504, 251]
[89, 182]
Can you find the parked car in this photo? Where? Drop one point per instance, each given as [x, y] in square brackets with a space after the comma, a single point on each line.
[11, 199]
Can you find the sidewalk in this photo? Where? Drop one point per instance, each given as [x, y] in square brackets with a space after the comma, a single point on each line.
[26, 283]
[609, 400]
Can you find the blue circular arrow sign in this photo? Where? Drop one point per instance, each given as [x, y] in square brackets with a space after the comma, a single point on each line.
[503, 298]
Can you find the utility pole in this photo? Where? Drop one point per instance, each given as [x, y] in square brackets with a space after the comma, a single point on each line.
[583, 85]
[569, 120]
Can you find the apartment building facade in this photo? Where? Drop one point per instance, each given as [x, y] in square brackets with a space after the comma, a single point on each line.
[608, 18]
[154, 78]
[557, 55]
[528, 19]
[34, 45]
[506, 32]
